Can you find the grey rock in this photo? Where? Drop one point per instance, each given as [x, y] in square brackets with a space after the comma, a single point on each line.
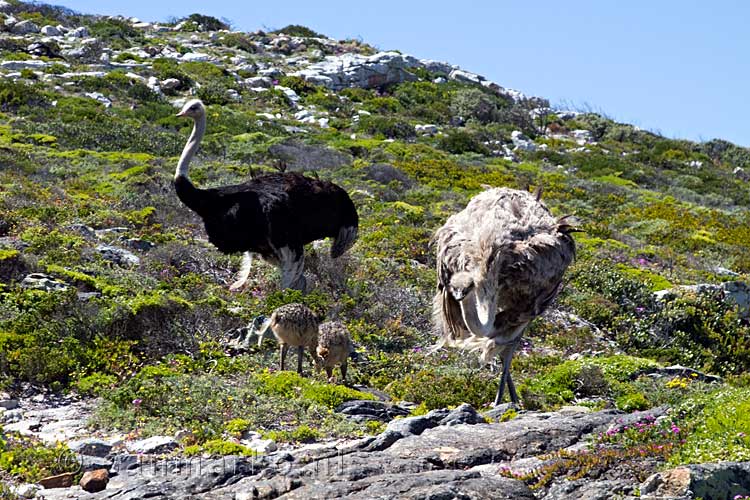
[39, 281]
[527, 435]
[259, 82]
[25, 28]
[170, 84]
[734, 292]
[26, 427]
[30, 64]
[355, 70]
[196, 57]
[98, 96]
[119, 256]
[91, 446]
[427, 129]
[27, 490]
[410, 425]
[139, 244]
[435, 484]
[262, 445]
[89, 462]
[9, 404]
[521, 142]
[299, 156]
[586, 489]
[290, 94]
[364, 410]
[11, 416]
[152, 446]
[51, 31]
[463, 414]
[712, 481]
[437, 66]
[83, 230]
[384, 173]
[82, 32]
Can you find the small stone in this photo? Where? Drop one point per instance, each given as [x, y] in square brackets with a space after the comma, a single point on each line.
[426, 129]
[92, 446]
[27, 490]
[262, 445]
[170, 84]
[93, 463]
[119, 256]
[9, 404]
[96, 480]
[58, 481]
[196, 57]
[153, 446]
[82, 32]
[39, 281]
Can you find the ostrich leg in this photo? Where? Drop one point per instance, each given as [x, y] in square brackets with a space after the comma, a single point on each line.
[282, 355]
[292, 261]
[300, 354]
[505, 377]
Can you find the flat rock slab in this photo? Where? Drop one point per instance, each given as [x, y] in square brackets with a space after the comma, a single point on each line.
[432, 484]
[525, 436]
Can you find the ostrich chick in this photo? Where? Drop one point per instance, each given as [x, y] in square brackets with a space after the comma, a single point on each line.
[293, 325]
[334, 347]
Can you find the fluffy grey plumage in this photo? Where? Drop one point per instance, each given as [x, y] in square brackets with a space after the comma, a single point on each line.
[294, 325]
[334, 347]
[500, 263]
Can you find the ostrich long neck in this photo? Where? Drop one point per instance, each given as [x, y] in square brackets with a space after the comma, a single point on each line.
[191, 147]
[471, 318]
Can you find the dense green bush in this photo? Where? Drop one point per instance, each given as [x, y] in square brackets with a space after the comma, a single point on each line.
[462, 141]
[298, 30]
[13, 95]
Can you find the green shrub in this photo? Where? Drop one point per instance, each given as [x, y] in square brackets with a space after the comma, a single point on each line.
[390, 128]
[298, 30]
[200, 22]
[14, 95]
[438, 388]
[461, 141]
[28, 460]
[475, 104]
[118, 33]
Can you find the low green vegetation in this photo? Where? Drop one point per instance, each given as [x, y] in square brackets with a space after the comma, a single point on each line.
[152, 339]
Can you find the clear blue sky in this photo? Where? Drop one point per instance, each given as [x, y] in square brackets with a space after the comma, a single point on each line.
[681, 68]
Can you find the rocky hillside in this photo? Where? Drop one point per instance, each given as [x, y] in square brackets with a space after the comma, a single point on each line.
[125, 364]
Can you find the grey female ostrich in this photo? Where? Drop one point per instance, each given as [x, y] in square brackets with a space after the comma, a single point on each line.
[500, 263]
[272, 215]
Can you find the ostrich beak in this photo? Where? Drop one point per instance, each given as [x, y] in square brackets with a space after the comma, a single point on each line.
[181, 113]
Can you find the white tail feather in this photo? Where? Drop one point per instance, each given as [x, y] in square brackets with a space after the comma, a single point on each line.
[247, 264]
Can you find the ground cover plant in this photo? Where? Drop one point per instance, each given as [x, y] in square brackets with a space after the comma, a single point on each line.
[150, 336]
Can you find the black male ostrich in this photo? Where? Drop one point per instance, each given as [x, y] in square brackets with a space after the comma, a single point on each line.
[272, 215]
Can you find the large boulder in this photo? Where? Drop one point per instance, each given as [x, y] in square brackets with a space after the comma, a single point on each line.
[713, 481]
[355, 70]
[298, 156]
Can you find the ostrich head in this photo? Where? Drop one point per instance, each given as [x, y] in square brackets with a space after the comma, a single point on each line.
[193, 109]
[477, 287]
